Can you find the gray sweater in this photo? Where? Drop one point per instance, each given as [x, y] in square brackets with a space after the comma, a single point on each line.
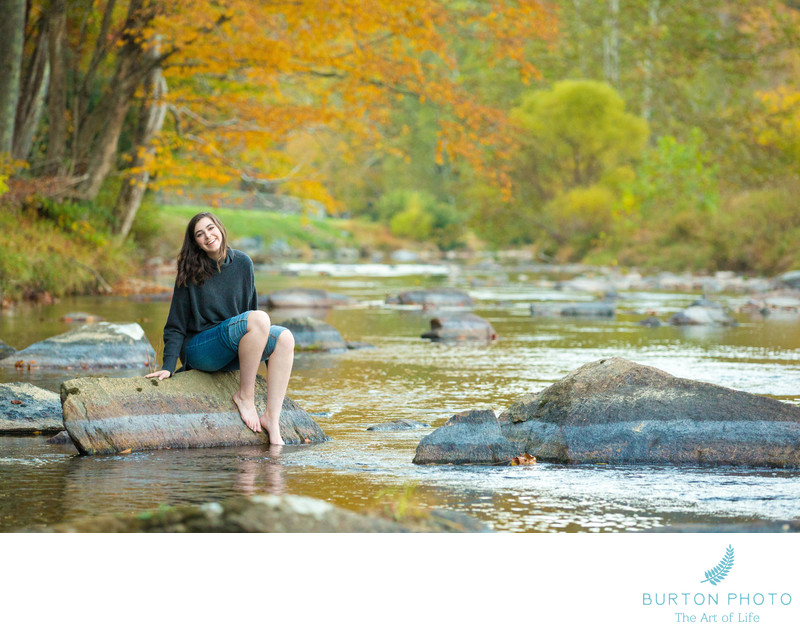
[229, 292]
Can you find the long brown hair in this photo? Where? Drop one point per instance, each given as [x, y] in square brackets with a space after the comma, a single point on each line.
[194, 264]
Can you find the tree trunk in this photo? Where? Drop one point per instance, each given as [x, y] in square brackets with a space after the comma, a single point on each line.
[134, 185]
[32, 95]
[580, 37]
[107, 120]
[12, 35]
[647, 91]
[57, 97]
[611, 44]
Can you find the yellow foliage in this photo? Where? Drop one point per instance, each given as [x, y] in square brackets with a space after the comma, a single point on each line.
[246, 77]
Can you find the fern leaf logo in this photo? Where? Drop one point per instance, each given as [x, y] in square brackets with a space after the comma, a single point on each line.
[718, 573]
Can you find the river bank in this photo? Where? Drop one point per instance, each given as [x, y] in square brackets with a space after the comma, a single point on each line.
[65, 250]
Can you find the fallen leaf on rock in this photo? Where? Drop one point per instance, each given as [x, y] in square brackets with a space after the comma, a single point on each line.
[524, 459]
[16, 401]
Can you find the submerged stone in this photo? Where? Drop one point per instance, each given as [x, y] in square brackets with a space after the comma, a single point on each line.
[396, 426]
[189, 410]
[652, 322]
[311, 334]
[703, 312]
[471, 437]
[81, 316]
[268, 513]
[442, 297]
[617, 411]
[91, 346]
[591, 309]
[460, 328]
[27, 409]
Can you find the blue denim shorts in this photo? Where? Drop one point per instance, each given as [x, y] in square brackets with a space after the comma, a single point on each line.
[217, 348]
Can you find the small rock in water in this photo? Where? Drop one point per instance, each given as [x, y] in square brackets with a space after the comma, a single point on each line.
[62, 438]
[27, 409]
[460, 328]
[399, 425]
[311, 334]
[652, 321]
[442, 297]
[80, 316]
[703, 312]
[471, 437]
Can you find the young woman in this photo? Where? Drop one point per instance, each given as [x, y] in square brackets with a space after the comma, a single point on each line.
[214, 323]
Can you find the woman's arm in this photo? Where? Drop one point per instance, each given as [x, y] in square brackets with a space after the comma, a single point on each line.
[175, 330]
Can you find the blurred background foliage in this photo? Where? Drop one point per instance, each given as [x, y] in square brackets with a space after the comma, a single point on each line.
[649, 133]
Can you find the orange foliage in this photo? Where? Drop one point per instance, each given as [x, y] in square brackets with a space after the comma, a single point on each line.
[248, 77]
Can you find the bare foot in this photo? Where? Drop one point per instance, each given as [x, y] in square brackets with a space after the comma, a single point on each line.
[273, 429]
[248, 412]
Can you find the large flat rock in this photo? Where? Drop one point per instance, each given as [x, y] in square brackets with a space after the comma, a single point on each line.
[189, 410]
[27, 409]
[100, 345]
[618, 411]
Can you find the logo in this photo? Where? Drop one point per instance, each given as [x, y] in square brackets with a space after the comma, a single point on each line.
[718, 573]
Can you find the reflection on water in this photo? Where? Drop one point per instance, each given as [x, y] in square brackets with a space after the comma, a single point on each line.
[404, 376]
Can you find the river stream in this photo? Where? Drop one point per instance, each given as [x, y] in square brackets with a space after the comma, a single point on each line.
[402, 376]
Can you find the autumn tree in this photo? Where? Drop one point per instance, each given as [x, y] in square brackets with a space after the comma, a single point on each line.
[241, 81]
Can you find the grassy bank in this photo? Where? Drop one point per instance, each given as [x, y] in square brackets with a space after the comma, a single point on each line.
[303, 235]
[57, 250]
[47, 257]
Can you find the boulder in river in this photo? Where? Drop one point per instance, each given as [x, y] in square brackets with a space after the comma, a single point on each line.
[311, 334]
[91, 346]
[27, 409]
[703, 312]
[460, 328]
[6, 350]
[471, 437]
[190, 409]
[442, 297]
[619, 412]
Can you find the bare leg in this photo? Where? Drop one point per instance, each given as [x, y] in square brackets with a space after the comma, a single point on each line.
[279, 369]
[251, 347]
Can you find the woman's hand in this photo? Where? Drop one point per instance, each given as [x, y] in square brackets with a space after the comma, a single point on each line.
[161, 374]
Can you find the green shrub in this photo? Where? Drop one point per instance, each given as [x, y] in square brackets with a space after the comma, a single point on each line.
[418, 215]
[578, 222]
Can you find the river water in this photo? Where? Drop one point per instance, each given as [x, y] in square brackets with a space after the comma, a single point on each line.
[402, 376]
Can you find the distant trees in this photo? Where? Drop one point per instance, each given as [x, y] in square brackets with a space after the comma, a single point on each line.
[196, 92]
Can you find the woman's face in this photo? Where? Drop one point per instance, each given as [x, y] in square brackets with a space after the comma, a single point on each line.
[208, 237]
